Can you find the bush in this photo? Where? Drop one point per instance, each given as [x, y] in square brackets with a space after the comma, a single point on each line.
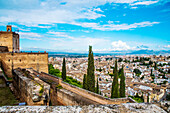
[70, 80]
[41, 90]
[59, 86]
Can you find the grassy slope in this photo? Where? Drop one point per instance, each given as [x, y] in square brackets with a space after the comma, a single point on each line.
[6, 97]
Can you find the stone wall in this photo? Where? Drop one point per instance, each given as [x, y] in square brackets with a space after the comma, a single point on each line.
[122, 108]
[6, 39]
[84, 94]
[29, 88]
[69, 98]
[10, 40]
[37, 61]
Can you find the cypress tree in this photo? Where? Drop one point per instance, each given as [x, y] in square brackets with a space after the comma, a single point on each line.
[97, 87]
[122, 83]
[151, 73]
[148, 98]
[155, 66]
[115, 89]
[64, 69]
[112, 90]
[90, 71]
[84, 82]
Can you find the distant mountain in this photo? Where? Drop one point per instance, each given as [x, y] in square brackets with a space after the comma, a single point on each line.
[150, 52]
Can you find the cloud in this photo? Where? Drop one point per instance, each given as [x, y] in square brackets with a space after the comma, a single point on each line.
[110, 22]
[79, 43]
[30, 36]
[59, 11]
[60, 34]
[134, 7]
[144, 3]
[142, 47]
[167, 46]
[111, 27]
[48, 12]
[98, 9]
[120, 45]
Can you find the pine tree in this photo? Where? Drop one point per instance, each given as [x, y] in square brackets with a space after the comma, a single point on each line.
[97, 87]
[84, 82]
[64, 69]
[90, 71]
[115, 89]
[122, 83]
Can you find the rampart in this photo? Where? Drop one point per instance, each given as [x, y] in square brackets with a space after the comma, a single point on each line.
[29, 88]
[91, 97]
[37, 61]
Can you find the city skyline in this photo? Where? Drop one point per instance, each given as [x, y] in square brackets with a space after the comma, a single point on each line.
[110, 25]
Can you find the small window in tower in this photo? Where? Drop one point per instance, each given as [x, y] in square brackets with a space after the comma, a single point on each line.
[20, 60]
[9, 60]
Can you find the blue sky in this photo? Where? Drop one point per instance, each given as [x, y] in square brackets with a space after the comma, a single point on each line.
[72, 25]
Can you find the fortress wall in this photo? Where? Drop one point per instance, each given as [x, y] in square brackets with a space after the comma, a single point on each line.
[95, 98]
[69, 98]
[6, 39]
[24, 88]
[64, 96]
[37, 61]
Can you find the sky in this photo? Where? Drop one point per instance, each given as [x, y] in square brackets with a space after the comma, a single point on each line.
[73, 25]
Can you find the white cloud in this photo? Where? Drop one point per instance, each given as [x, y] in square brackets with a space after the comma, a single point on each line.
[60, 34]
[98, 9]
[120, 45]
[79, 43]
[134, 7]
[30, 36]
[144, 3]
[110, 22]
[168, 46]
[111, 27]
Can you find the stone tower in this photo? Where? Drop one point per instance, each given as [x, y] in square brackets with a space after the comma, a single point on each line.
[9, 39]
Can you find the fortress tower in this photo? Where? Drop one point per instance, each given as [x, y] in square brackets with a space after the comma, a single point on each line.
[9, 39]
[11, 57]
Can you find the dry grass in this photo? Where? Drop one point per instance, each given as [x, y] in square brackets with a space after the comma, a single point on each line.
[6, 97]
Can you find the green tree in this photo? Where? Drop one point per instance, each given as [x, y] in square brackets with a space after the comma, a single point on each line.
[90, 71]
[115, 90]
[122, 83]
[97, 87]
[137, 71]
[151, 73]
[53, 71]
[155, 66]
[148, 98]
[85, 82]
[64, 69]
